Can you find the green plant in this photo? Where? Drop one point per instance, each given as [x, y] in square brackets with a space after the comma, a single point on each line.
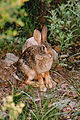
[13, 109]
[11, 13]
[18, 20]
[36, 110]
[32, 20]
[63, 23]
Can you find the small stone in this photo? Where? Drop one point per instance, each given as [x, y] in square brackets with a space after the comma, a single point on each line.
[62, 64]
[10, 59]
[65, 85]
[67, 108]
[64, 56]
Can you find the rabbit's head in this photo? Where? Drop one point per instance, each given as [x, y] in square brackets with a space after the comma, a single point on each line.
[44, 58]
[41, 39]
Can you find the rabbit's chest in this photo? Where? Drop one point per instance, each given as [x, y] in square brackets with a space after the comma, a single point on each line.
[44, 65]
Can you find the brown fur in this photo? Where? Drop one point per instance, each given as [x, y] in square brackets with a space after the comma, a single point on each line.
[36, 60]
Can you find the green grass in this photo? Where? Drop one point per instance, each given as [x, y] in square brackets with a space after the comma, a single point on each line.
[37, 110]
[36, 107]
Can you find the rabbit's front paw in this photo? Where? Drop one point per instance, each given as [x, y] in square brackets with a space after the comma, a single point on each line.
[49, 84]
[41, 83]
[43, 88]
[48, 80]
[28, 82]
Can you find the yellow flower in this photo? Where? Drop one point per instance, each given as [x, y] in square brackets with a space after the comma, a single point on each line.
[25, 14]
[13, 106]
[9, 98]
[4, 100]
[3, 108]
[21, 105]
[19, 110]
[14, 33]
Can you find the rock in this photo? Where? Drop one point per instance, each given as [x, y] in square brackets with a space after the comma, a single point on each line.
[64, 56]
[62, 64]
[64, 85]
[67, 108]
[10, 59]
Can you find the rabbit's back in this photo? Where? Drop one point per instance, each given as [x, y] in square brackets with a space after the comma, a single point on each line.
[28, 56]
[29, 42]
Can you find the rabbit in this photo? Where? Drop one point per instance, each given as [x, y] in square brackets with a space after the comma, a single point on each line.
[36, 61]
[34, 41]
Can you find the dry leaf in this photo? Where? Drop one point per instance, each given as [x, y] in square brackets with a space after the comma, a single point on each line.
[57, 49]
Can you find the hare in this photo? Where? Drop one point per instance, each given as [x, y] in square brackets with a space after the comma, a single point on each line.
[36, 60]
[34, 41]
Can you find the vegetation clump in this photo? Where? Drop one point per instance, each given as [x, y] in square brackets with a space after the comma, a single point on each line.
[63, 23]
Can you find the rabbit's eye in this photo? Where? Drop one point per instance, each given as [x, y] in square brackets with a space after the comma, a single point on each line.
[43, 48]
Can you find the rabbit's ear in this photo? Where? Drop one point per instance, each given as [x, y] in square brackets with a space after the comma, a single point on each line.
[44, 33]
[37, 36]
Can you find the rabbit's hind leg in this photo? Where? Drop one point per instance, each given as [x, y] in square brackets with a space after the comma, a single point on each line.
[30, 76]
[41, 83]
[48, 80]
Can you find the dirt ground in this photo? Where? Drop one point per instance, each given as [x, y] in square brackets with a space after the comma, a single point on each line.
[66, 87]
